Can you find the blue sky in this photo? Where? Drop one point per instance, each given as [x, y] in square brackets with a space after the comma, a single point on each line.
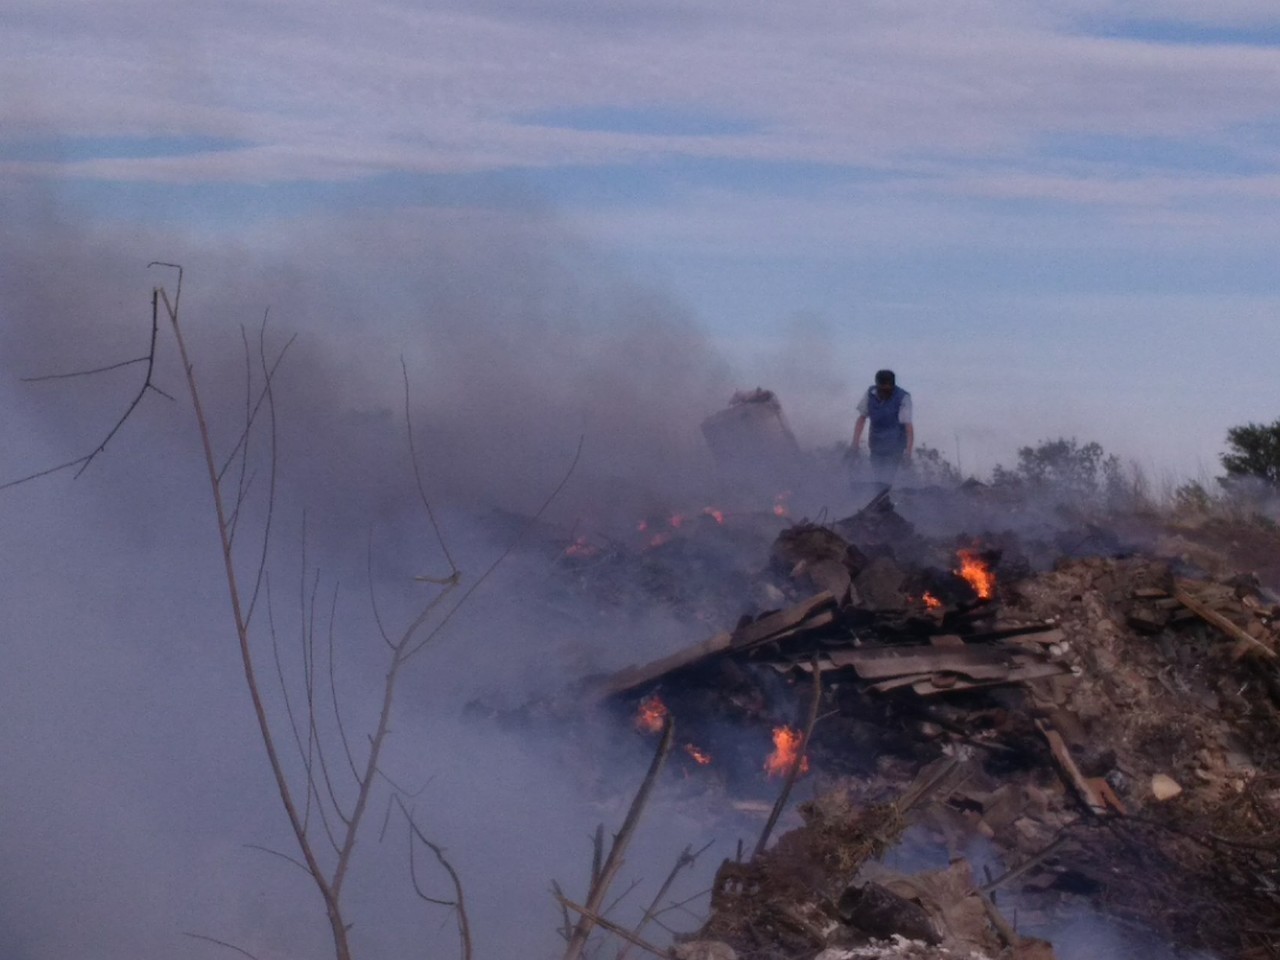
[1052, 218]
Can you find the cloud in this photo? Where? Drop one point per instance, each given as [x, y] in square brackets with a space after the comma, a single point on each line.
[326, 94]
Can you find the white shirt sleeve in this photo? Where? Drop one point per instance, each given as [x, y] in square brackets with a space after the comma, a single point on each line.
[904, 411]
[862, 404]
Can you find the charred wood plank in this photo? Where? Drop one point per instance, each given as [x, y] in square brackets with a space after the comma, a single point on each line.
[882, 663]
[771, 625]
[1089, 796]
[1247, 642]
[629, 678]
[948, 682]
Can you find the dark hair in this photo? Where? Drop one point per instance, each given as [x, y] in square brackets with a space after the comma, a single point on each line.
[885, 378]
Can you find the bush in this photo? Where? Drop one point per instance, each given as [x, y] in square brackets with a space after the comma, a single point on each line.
[1254, 452]
[1065, 467]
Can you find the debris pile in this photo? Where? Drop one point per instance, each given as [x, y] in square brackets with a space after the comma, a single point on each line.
[1106, 732]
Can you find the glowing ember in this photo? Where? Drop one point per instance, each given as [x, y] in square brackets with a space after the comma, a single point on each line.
[932, 602]
[677, 520]
[700, 757]
[651, 715]
[977, 573]
[786, 750]
[658, 539]
[581, 548]
[714, 514]
[780, 508]
[642, 526]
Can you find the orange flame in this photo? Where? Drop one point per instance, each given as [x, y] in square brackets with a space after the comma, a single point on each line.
[658, 539]
[786, 753]
[714, 514]
[642, 526]
[780, 508]
[700, 757]
[930, 601]
[677, 521]
[652, 714]
[977, 573]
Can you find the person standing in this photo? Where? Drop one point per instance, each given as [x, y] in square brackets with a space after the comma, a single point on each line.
[891, 439]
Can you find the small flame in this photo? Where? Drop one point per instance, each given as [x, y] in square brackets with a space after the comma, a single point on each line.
[714, 514]
[780, 508]
[677, 521]
[658, 539]
[932, 602]
[786, 752]
[651, 715]
[979, 575]
[642, 526]
[700, 757]
[581, 547]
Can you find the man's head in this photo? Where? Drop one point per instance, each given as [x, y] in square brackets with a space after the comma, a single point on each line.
[885, 382]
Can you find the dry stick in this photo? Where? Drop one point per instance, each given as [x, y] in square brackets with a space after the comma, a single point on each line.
[327, 891]
[1032, 862]
[796, 764]
[613, 862]
[597, 855]
[460, 904]
[221, 943]
[686, 859]
[83, 462]
[591, 917]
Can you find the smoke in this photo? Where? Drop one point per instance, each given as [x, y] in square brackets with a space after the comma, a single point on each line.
[136, 781]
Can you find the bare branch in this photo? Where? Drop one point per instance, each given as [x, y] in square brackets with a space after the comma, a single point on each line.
[276, 853]
[431, 635]
[83, 373]
[221, 943]
[328, 892]
[459, 903]
[417, 473]
[82, 463]
[593, 918]
[686, 859]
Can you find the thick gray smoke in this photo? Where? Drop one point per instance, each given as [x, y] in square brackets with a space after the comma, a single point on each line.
[135, 778]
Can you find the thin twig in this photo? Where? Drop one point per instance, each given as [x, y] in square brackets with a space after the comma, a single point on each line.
[276, 853]
[507, 552]
[221, 943]
[686, 859]
[417, 473]
[592, 918]
[460, 903]
[83, 462]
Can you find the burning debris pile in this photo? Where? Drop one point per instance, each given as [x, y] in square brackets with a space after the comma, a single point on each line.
[1106, 734]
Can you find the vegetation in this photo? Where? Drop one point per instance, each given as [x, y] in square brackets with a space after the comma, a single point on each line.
[1254, 452]
[1066, 467]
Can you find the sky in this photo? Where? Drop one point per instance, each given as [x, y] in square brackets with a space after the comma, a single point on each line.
[567, 219]
[1052, 219]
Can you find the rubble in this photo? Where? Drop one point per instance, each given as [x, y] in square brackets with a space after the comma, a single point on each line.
[1110, 726]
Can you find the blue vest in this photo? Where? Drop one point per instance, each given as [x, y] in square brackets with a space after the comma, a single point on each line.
[887, 435]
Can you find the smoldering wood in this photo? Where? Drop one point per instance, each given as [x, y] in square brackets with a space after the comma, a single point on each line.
[796, 764]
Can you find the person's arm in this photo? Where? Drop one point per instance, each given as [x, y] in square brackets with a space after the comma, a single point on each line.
[911, 442]
[858, 427]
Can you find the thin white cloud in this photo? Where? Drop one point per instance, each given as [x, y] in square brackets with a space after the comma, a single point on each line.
[331, 91]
